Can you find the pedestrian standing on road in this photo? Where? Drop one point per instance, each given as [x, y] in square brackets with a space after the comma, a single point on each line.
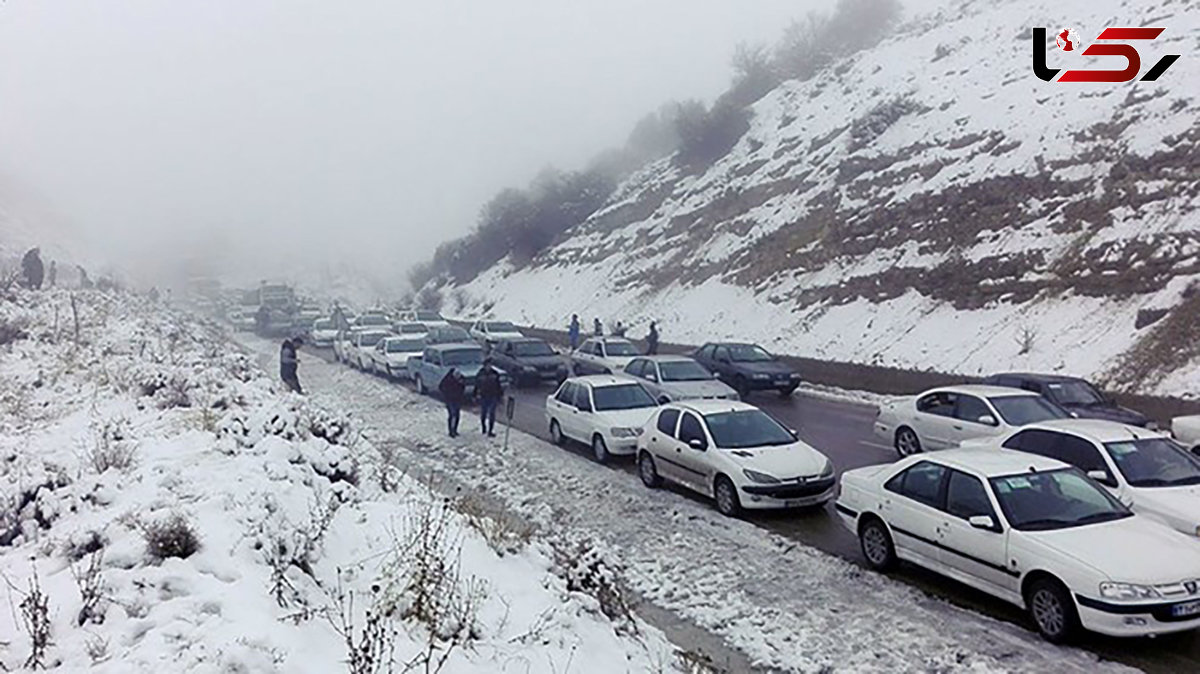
[31, 266]
[289, 361]
[619, 329]
[597, 327]
[454, 390]
[491, 391]
[573, 332]
[652, 340]
[52, 274]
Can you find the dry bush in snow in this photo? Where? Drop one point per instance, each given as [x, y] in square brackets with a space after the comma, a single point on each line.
[34, 609]
[114, 447]
[287, 546]
[586, 571]
[370, 649]
[170, 537]
[505, 532]
[92, 589]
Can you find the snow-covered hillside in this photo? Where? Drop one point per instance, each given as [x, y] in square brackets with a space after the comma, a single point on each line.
[927, 204]
[165, 508]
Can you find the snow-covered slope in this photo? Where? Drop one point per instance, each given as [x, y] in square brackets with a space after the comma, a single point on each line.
[928, 204]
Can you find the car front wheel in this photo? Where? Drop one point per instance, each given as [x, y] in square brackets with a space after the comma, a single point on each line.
[599, 450]
[1052, 610]
[876, 544]
[420, 385]
[648, 471]
[907, 442]
[556, 434]
[741, 386]
[726, 496]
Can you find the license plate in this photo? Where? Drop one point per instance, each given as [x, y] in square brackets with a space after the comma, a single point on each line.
[796, 503]
[1190, 608]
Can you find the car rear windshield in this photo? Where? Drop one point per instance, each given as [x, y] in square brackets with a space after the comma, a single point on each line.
[622, 397]
[1154, 462]
[1055, 499]
[370, 321]
[428, 316]
[1074, 392]
[748, 353]
[683, 370]
[501, 327]
[323, 324]
[620, 349]
[371, 338]
[747, 428]
[450, 335]
[403, 345]
[413, 328]
[463, 357]
[531, 349]
[1021, 410]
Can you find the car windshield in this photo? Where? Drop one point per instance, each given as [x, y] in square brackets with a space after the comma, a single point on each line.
[413, 328]
[1021, 410]
[1055, 499]
[1074, 392]
[367, 321]
[500, 327]
[683, 370]
[428, 316]
[621, 397]
[450, 335]
[531, 349]
[748, 353]
[747, 428]
[371, 338]
[1154, 462]
[620, 349]
[323, 324]
[405, 345]
[462, 357]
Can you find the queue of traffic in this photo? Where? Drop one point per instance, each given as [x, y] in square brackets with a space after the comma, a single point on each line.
[1033, 488]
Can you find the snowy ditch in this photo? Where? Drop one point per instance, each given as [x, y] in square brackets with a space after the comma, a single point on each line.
[785, 606]
[164, 507]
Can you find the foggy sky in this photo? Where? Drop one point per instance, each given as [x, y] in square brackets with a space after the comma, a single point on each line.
[301, 132]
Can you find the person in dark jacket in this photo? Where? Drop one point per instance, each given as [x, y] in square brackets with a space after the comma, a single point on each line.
[652, 340]
[597, 327]
[454, 391]
[52, 274]
[490, 390]
[573, 332]
[32, 267]
[289, 362]
[84, 281]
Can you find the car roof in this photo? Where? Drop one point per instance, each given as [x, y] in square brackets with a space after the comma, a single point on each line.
[992, 462]
[602, 380]
[522, 340]
[606, 339]
[667, 358]
[454, 346]
[707, 407]
[728, 344]
[984, 390]
[373, 331]
[1034, 376]
[1099, 430]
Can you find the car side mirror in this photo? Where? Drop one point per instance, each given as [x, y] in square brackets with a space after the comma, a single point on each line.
[1102, 477]
[697, 444]
[982, 522]
[723, 359]
[988, 420]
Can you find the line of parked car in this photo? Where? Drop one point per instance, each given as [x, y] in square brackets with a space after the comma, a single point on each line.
[1036, 489]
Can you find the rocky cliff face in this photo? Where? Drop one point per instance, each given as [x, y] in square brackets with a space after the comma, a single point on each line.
[928, 204]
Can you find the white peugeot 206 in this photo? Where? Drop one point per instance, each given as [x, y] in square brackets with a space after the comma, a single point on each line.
[735, 453]
[1032, 531]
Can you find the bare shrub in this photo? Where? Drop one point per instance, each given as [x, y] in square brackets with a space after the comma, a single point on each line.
[35, 617]
[695, 662]
[287, 547]
[96, 647]
[504, 532]
[171, 537]
[865, 129]
[176, 392]
[586, 570]
[12, 329]
[90, 542]
[370, 649]
[92, 590]
[113, 448]
[1025, 340]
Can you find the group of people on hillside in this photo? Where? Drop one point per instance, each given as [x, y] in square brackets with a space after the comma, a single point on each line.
[574, 333]
[36, 274]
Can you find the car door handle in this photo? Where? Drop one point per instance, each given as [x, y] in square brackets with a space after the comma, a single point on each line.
[957, 427]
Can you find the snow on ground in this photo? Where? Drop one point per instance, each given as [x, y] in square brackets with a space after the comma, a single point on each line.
[151, 434]
[787, 606]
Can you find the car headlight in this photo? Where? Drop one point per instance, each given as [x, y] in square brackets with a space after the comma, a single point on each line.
[761, 478]
[761, 376]
[1128, 591]
[1152, 425]
[625, 432]
[528, 368]
[794, 375]
[827, 471]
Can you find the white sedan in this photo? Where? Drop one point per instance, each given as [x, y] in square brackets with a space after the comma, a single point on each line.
[604, 412]
[1144, 469]
[1186, 431]
[735, 453]
[602, 355]
[490, 333]
[361, 343]
[324, 331]
[943, 418]
[390, 356]
[1032, 531]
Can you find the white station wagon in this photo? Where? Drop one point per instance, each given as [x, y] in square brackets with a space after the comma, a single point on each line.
[603, 411]
[943, 418]
[1032, 531]
[735, 453]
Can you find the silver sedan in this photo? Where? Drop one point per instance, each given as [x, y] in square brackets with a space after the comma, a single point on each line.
[675, 378]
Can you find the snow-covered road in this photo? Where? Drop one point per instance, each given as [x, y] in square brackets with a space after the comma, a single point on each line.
[786, 606]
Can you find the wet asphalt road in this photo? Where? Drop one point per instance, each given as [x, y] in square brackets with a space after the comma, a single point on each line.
[842, 430]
